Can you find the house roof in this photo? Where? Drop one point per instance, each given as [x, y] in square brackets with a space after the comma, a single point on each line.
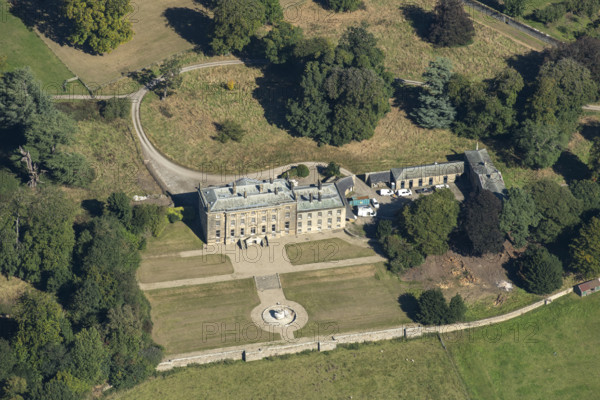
[589, 285]
[490, 178]
[378, 177]
[345, 185]
[268, 194]
[424, 171]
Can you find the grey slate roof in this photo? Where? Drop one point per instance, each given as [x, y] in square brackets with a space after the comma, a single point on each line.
[378, 177]
[345, 185]
[490, 178]
[223, 198]
[424, 171]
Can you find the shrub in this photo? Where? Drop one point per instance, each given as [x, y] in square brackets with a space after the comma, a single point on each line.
[302, 171]
[433, 309]
[541, 271]
[551, 13]
[230, 130]
[343, 5]
[116, 108]
[230, 84]
[175, 214]
[148, 217]
[71, 169]
[332, 169]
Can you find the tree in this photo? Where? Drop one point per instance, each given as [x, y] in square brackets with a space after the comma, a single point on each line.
[41, 321]
[541, 271]
[433, 309]
[119, 205]
[482, 223]
[358, 48]
[457, 309]
[101, 25]
[46, 132]
[89, 357]
[402, 255]
[519, 215]
[230, 130]
[273, 11]
[384, 229]
[558, 208]
[539, 144]
[451, 25]
[302, 171]
[343, 5]
[515, 8]
[561, 89]
[148, 217]
[116, 108]
[588, 192]
[71, 169]
[594, 159]
[429, 220]
[585, 50]
[21, 98]
[280, 42]
[332, 169]
[435, 109]
[585, 249]
[235, 21]
[7, 359]
[170, 72]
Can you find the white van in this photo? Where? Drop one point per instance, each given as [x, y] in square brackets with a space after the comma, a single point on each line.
[404, 192]
[385, 192]
[365, 212]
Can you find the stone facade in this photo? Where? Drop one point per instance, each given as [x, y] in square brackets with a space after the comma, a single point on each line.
[251, 210]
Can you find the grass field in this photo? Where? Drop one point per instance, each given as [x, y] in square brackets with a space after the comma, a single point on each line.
[10, 291]
[23, 47]
[165, 269]
[485, 308]
[324, 250]
[176, 237]
[550, 353]
[374, 371]
[347, 299]
[194, 318]
[112, 149]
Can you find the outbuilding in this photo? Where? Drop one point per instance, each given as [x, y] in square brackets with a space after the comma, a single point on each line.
[588, 287]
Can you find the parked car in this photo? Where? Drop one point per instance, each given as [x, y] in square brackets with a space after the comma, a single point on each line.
[375, 203]
[385, 192]
[424, 190]
[404, 192]
[365, 212]
[442, 186]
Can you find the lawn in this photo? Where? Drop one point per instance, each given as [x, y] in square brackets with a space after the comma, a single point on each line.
[201, 317]
[375, 371]
[176, 237]
[173, 268]
[485, 308]
[22, 47]
[550, 353]
[113, 151]
[317, 251]
[347, 299]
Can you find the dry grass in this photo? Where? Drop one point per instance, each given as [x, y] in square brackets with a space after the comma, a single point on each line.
[185, 317]
[183, 127]
[173, 268]
[175, 238]
[317, 251]
[10, 291]
[346, 299]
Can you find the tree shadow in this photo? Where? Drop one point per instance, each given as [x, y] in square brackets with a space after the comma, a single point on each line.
[95, 208]
[571, 167]
[44, 15]
[409, 304]
[406, 97]
[512, 272]
[528, 64]
[419, 19]
[590, 130]
[143, 77]
[8, 328]
[192, 25]
[273, 92]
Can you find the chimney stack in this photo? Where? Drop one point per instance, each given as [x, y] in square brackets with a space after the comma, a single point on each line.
[234, 188]
[319, 196]
[320, 185]
[276, 190]
[310, 197]
[271, 180]
[245, 195]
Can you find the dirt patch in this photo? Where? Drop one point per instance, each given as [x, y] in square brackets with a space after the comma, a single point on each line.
[473, 277]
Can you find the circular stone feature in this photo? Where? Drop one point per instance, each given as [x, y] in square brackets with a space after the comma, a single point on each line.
[279, 315]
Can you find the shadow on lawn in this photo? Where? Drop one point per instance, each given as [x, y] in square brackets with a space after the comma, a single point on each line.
[419, 19]
[44, 15]
[409, 304]
[192, 25]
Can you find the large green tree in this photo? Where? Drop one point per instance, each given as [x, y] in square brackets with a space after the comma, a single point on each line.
[102, 25]
[429, 220]
[541, 271]
[539, 144]
[585, 249]
[451, 25]
[21, 97]
[435, 108]
[519, 215]
[588, 192]
[481, 223]
[558, 209]
[343, 5]
[170, 73]
[280, 42]
[89, 358]
[515, 8]
[594, 159]
[234, 22]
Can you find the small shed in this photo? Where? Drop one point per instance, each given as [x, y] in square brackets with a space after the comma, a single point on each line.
[588, 287]
[359, 201]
